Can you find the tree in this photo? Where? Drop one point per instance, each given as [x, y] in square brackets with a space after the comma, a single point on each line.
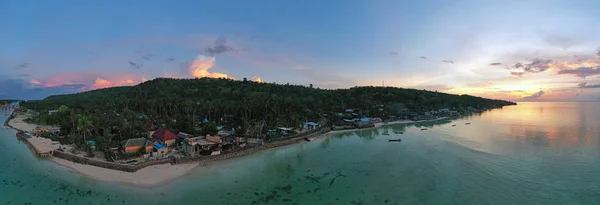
[209, 128]
[85, 127]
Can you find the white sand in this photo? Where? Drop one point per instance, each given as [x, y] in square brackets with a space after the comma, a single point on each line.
[146, 177]
[42, 145]
[19, 123]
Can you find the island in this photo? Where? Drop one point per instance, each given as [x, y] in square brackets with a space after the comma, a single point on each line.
[161, 129]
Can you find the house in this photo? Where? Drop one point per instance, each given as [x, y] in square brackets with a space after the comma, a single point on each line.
[284, 130]
[365, 119]
[351, 120]
[181, 136]
[160, 150]
[135, 144]
[164, 137]
[226, 131]
[194, 146]
[52, 111]
[311, 125]
[216, 140]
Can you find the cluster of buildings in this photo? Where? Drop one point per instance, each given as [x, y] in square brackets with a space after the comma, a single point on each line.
[157, 144]
[162, 142]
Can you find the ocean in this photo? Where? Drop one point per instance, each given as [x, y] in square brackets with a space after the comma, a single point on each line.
[532, 153]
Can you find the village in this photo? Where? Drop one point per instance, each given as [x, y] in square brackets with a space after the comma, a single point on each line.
[163, 145]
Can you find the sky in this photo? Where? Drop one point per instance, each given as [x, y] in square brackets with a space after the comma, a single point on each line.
[512, 50]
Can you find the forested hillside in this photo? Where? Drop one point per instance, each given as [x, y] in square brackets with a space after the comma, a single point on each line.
[180, 103]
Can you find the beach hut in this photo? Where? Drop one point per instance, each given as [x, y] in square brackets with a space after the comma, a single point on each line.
[284, 130]
[164, 137]
[310, 125]
[160, 150]
[135, 144]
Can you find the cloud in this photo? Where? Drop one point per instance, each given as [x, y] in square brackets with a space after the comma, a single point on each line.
[257, 79]
[495, 63]
[581, 72]
[423, 57]
[23, 89]
[585, 85]
[598, 53]
[22, 65]
[220, 46]
[534, 96]
[535, 66]
[447, 61]
[517, 73]
[518, 65]
[393, 53]
[199, 68]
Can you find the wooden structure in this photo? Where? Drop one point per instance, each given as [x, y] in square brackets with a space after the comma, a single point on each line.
[135, 144]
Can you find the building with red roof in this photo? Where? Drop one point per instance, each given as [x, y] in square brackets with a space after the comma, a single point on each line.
[164, 136]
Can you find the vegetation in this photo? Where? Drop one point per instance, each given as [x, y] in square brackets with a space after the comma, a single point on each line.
[210, 129]
[120, 113]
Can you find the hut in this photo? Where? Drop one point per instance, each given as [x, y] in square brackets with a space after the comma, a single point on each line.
[164, 137]
[311, 125]
[194, 146]
[135, 144]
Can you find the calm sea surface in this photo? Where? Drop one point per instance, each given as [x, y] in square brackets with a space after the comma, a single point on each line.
[533, 153]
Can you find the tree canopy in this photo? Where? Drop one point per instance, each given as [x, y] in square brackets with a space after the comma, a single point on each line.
[182, 104]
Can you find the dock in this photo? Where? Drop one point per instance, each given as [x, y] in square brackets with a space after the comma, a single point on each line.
[42, 147]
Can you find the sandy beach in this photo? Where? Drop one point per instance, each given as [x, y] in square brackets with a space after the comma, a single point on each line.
[146, 177]
[18, 122]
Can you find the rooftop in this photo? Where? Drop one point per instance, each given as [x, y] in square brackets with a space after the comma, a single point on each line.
[136, 142]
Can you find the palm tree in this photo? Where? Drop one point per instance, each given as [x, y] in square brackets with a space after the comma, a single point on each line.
[85, 126]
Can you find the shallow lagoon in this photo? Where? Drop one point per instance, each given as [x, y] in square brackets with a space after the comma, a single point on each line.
[531, 153]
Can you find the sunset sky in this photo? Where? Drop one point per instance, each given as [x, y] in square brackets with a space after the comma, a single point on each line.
[513, 50]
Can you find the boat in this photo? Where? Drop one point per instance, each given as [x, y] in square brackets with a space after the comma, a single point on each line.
[399, 133]
[395, 140]
[468, 123]
[309, 138]
[423, 128]
[453, 125]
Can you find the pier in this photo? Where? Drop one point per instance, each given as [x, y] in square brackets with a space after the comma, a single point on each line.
[42, 147]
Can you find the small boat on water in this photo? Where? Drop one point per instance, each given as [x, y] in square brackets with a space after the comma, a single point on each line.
[468, 123]
[395, 140]
[453, 125]
[309, 138]
[399, 133]
[423, 128]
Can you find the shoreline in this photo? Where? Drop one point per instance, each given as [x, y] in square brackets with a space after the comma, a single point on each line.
[154, 175]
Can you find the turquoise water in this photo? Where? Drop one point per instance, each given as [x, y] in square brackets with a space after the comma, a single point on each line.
[533, 153]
